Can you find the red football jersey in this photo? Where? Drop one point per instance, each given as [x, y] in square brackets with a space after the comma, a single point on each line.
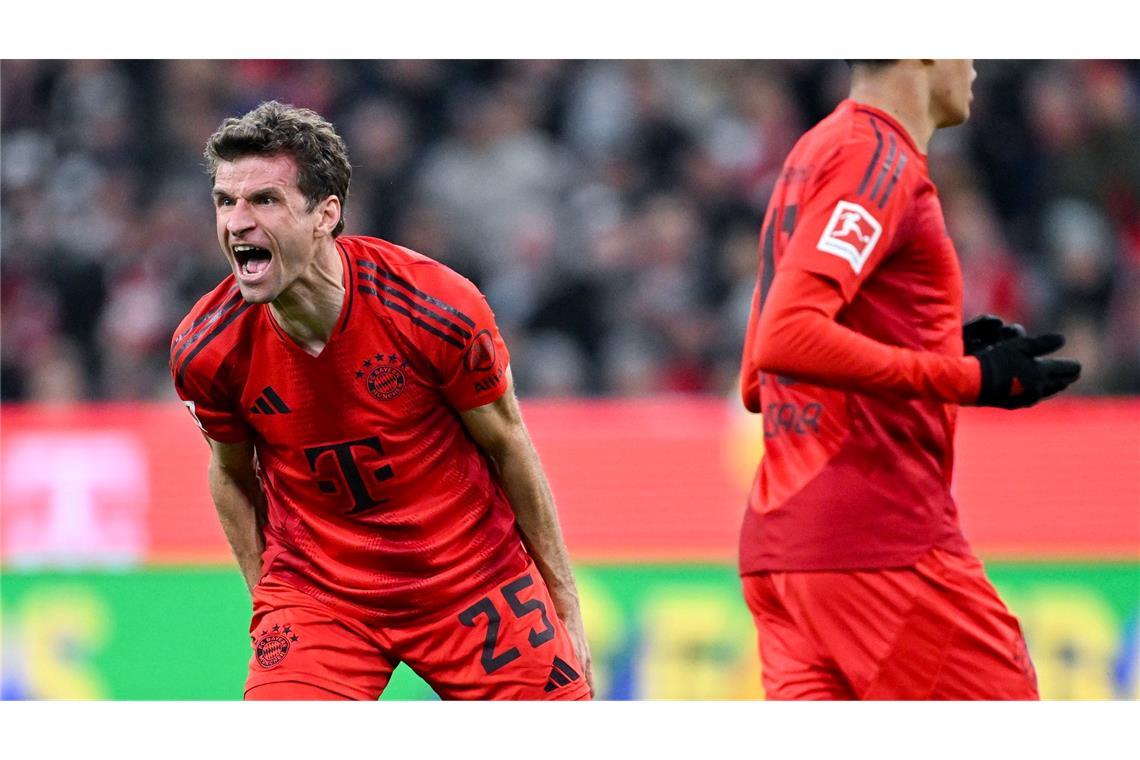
[379, 501]
[853, 480]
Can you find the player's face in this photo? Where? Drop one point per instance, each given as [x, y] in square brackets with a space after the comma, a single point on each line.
[266, 230]
[952, 90]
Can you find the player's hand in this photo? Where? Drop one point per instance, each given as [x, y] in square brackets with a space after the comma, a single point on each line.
[571, 615]
[1015, 374]
[987, 330]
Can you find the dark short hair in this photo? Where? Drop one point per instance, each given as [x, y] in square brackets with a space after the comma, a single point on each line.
[279, 129]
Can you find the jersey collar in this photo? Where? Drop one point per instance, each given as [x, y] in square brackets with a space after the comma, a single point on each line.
[889, 120]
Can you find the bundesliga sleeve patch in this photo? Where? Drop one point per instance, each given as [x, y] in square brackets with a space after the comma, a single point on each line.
[851, 234]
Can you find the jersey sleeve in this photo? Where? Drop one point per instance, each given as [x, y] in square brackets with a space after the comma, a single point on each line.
[209, 405]
[849, 216]
[798, 337]
[459, 337]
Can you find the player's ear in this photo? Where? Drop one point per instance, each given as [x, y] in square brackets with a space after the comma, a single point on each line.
[329, 210]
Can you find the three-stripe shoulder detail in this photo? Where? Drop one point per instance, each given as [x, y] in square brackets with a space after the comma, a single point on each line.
[891, 166]
[399, 295]
[204, 330]
[188, 336]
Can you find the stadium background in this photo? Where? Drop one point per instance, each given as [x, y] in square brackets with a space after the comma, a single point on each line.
[610, 211]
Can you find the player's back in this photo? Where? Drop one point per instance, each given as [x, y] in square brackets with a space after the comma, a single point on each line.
[379, 502]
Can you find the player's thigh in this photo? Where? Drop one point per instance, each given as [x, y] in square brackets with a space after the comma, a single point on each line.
[505, 643]
[988, 658]
[298, 641]
[957, 641]
[853, 618]
[791, 666]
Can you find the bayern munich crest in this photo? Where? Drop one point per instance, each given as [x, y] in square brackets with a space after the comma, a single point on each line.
[273, 644]
[384, 375]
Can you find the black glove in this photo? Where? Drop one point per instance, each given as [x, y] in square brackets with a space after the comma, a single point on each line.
[1014, 376]
[984, 331]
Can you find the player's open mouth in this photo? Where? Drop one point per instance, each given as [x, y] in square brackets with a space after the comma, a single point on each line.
[252, 260]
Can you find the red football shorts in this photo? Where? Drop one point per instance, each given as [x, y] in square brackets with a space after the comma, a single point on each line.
[505, 643]
[936, 630]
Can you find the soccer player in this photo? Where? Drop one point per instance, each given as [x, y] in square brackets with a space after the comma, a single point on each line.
[369, 463]
[853, 565]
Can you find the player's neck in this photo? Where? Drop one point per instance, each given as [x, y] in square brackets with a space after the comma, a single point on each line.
[905, 95]
[309, 308]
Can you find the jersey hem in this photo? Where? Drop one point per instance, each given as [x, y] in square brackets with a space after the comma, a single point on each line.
[957, 548]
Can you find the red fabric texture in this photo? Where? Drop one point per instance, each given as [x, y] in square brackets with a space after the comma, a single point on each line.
[299, 641]
[933, 631]
[292, 692]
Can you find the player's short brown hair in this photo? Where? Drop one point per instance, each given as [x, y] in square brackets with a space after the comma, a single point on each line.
[276, 128]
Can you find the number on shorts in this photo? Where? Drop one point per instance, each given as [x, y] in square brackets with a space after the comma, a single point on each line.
[492, 662]
[520, 608]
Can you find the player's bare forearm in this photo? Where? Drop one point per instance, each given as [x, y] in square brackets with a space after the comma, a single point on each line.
[527, 490]
[499, 430]
[530, 497]
[240, 504]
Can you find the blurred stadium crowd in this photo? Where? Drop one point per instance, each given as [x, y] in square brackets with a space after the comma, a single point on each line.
[610, 210]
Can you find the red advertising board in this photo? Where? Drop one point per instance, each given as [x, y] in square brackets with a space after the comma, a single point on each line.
[650, 479]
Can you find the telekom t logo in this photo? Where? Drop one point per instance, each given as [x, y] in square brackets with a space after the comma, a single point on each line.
[346, 455]
[74, 498]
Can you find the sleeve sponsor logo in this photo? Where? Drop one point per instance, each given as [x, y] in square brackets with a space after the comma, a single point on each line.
[851, 234]
[489, 382]
[481, 355]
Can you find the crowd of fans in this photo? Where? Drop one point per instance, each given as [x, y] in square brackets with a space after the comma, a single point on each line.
[609, 210]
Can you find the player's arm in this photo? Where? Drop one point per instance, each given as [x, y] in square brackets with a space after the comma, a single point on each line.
[240, 503]
[798, 336]
[835, 240]
[499, 431]
[202, 385]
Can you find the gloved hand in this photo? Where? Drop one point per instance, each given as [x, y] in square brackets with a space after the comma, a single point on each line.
[984, 331]
[1015, 376]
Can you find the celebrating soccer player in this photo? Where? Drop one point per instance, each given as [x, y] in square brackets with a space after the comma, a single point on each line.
[854, 567]
[369, 463]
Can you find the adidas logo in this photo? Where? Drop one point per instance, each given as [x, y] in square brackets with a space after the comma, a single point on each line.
[269, 403]
[560, 675]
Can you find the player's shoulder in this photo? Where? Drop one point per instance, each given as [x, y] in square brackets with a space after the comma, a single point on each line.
[395, 261]
[866, 150]
[860, 132]
[425, 297]
[210, 330]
